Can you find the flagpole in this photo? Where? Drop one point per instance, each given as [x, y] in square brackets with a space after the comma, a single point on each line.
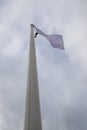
[32, 108]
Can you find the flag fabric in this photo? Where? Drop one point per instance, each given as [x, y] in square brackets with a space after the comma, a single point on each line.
[55, 39]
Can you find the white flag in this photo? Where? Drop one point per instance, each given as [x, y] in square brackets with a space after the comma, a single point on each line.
[55, 39]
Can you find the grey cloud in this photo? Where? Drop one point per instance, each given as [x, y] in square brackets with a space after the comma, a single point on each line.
[62, 75]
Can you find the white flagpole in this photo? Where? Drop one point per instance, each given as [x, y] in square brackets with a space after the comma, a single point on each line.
[32, 109]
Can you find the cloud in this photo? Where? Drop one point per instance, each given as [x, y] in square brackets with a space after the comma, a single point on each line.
[62, 75]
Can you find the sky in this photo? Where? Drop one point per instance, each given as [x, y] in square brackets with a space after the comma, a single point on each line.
[62, 75]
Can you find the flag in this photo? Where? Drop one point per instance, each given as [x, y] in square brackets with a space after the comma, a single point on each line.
[56, 40]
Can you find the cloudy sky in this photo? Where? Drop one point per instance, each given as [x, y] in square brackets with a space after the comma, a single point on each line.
[62, 74]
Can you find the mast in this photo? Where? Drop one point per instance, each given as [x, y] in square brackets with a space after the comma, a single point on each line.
[32, 108]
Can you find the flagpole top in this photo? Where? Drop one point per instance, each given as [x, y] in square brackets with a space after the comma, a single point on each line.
[32, 25]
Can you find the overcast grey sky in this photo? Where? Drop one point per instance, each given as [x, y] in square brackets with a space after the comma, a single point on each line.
[62, 74]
